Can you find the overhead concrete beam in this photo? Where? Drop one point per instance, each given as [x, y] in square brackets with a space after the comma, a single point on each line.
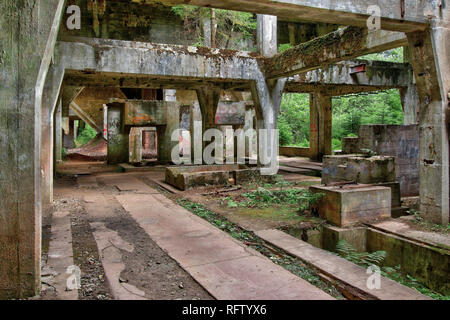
[85, 117]
[343, 44]
[126, 58]
[405, 16]
[86, 64]
[341, 78]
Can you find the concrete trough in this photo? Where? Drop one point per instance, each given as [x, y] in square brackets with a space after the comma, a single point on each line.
[347, 205]
[190, 177]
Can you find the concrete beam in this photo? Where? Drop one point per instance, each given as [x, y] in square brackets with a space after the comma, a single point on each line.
[343, 44]
[341, 78]
[120, 59]
[85, 117]
[395, 15]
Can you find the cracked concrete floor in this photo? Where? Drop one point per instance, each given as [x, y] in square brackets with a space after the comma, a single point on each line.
[118, 260]
[144, 246]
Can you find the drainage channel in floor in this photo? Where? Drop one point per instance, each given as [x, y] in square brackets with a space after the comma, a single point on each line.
[413, 263]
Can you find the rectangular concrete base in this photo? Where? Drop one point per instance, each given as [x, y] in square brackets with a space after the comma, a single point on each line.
[351, 204]
[189, 177]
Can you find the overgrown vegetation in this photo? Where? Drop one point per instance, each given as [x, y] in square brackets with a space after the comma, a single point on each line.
[85, 136]
[366, 259]
[277, 256]
[349, 112]
[262, 197]
[229, 23]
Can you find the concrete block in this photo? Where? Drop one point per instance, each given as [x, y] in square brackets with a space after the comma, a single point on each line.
[350, 145]
[351, 204]
[359, 169]
[331, 235]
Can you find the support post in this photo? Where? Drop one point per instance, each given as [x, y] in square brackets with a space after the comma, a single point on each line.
[429, 57]
[58, 132]
[208, 99]
[165, 143]
[27, 39]
[320, 125]
[118, 139]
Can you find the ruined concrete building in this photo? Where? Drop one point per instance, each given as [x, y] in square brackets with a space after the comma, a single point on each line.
[133, 70]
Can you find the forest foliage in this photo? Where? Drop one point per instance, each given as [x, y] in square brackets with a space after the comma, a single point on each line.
[349, 112]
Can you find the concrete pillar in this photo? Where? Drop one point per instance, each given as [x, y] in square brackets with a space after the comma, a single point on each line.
[165, 143]
[410, 103]
[430, 60]
[314, 124]
[50, 96]
[28, 34]
[69, 136]
[208, 99]
[196, 133]
[267, 97]
[58, 132]
[251, 142]
[320, 126]
[267, 35]
[118, 139]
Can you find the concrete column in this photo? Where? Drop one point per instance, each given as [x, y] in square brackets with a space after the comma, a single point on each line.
[267, 96]
[430, 60]
[251, 144]
[325, 127]
[196, 134]
[165, 143]
[50, 96]
[69, 136]
[28, 34]
[58, 132]
[320, 126]
[314, 124]
[118, 139]
[410, 103]
[208, 99]
[267, 35]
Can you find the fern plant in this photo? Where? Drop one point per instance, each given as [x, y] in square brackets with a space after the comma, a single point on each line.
[364, 259]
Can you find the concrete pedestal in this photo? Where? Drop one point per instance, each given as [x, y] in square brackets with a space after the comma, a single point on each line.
[348, 205]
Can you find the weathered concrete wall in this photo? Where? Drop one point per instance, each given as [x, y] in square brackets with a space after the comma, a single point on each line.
[401, 142]
[27, 41]
[427, 264]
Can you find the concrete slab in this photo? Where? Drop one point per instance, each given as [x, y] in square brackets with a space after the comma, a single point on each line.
[223, 266]
[402, 228]
[340, 269]
[126, 182]
[253, 278]
[60, 257]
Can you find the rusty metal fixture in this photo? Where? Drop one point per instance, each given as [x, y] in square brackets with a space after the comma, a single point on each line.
[358, 68]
